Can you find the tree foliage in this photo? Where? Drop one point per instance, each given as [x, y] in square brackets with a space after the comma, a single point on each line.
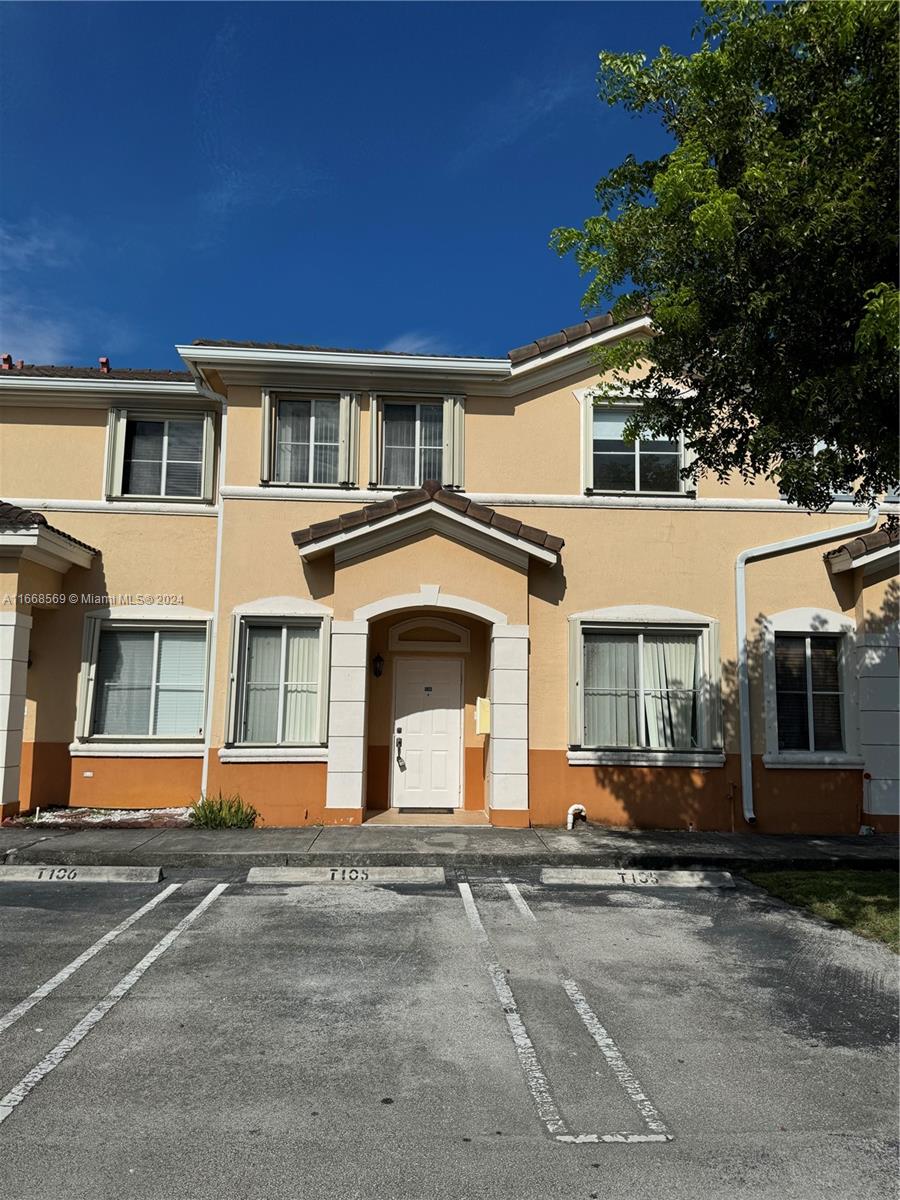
[764, 243]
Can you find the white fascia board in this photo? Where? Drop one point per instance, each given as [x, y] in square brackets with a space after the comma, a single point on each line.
[612, 334]
[363, 532]
[45, 546]
[869, 562]
[37, 384]
[224, 356]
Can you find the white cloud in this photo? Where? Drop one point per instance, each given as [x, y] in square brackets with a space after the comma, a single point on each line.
[506, 119]
[36, 243]
[35, 336]
[417, 341]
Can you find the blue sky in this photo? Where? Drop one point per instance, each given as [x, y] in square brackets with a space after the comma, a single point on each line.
[363, 175]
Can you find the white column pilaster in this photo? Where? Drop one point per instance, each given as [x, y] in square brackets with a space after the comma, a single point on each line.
[508, 691]
[15, 634]
[346, 786]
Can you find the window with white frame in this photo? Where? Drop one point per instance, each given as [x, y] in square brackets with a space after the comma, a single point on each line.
[307, 441]
[158, 455]
[310, 439]
[620, 465]
[646, 686]
[149, 682]
[809, 692]
[281, 683]
[641, 689]
[417, 440]
[412, 437]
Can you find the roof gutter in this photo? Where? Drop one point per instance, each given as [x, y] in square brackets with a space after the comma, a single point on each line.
[740, 590]
[223, 356]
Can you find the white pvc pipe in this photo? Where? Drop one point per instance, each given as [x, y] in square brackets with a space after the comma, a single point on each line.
[570, 815]
[789, 544]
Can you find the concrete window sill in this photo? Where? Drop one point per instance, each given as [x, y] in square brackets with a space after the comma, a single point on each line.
[645, 758]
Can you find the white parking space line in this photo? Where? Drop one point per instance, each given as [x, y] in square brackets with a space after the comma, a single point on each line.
[528, 1059]
[613, 1056]
[608, 1048]
[45, 989]
[15, 1097]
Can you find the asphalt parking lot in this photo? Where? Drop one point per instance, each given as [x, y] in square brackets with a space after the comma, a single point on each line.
[478, 1039]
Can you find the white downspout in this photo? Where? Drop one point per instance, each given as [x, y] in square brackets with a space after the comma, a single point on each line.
[217, 587]
[795, 543]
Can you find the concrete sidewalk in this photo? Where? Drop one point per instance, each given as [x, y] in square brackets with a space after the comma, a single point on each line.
[479, 846]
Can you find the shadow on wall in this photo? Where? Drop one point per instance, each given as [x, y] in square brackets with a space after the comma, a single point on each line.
[52, 687]
[825, 801]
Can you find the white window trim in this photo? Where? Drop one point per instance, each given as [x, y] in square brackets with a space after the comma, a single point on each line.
[298, 613]
[453, 460]
[585, 398]
[462, 644]
[115, 454]
[812, 621]
[156, 618]
[641, 619]
[348, 437]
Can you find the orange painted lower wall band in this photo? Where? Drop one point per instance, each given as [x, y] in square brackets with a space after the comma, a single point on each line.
[293, 794]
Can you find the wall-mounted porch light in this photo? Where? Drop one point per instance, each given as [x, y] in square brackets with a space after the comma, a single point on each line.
[377, 666]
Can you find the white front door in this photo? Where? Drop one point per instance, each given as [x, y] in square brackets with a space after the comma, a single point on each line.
[427, 744]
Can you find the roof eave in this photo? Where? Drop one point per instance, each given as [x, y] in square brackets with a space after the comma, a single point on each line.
[328, 361]
[401, 524]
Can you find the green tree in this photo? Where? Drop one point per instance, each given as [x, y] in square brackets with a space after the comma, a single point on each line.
[764, 243]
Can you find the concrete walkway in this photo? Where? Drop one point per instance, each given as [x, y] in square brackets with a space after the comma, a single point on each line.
[380, 845]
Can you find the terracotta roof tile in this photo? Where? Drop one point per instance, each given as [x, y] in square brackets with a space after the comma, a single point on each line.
[571, 335]
[31, 371]
[867, 543]
[371, 514]
[14, 517]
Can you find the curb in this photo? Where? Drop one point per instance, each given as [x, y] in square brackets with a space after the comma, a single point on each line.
[46, 852]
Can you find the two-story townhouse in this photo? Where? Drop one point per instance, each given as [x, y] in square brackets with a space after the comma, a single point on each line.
[344, 584]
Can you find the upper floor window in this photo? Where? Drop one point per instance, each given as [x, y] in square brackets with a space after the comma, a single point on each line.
[618, 465]
[160, 455]
[809, 692]
[309, 439]
[148, 682]
[416, 440]
[412, 444]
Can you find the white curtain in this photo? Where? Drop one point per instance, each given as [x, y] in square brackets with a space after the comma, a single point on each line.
[180, 683]
[431, 442]
[327, 440]
[670, 664]
[398, 429]
[610, 689]
[124, 673]
[301, 685]
[292, 441]
[262, 683]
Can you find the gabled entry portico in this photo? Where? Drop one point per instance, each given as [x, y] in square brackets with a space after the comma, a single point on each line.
[431, 534]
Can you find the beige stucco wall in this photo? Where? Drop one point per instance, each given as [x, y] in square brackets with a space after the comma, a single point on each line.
[678, 559]
[52, 453]
[140, 555]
